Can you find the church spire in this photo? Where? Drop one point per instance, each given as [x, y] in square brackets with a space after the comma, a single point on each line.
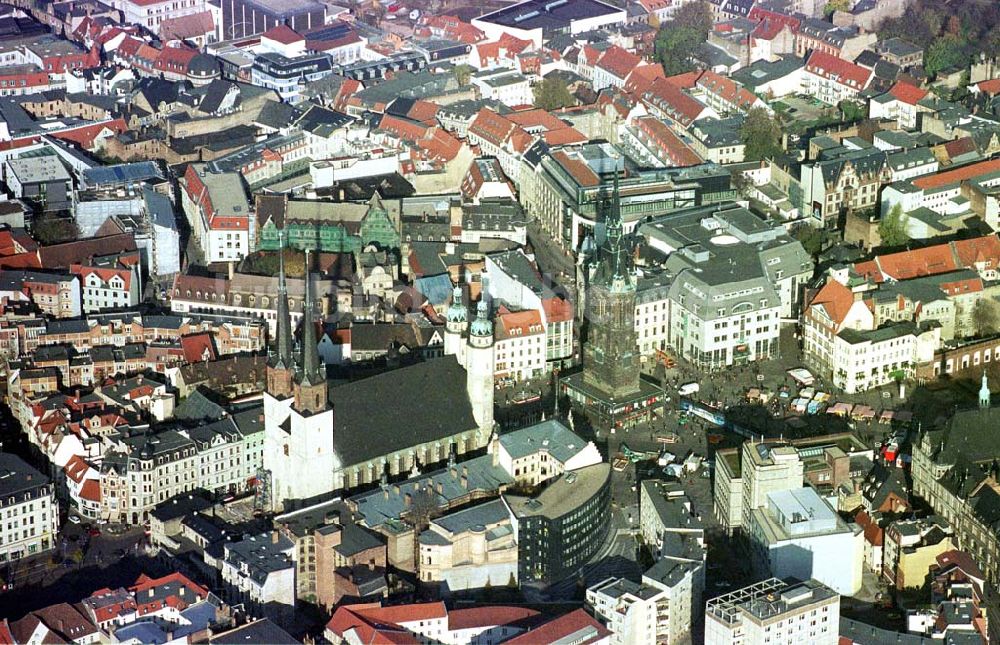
[280, 367]
[310, 386]
[614, 269]
[310, 353]
[984, 393]
[284, 353]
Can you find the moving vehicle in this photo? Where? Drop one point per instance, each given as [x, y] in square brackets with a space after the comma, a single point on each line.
[688, 389]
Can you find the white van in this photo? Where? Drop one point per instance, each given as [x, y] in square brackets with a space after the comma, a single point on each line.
[688, 389]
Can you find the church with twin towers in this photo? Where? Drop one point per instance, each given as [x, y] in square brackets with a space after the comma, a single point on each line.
[320, 441]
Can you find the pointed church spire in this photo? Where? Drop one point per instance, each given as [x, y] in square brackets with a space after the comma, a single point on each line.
[284, 353]
[984, 393]
[310, 353]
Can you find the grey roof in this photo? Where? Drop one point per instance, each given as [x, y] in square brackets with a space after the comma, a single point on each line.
[859, 632]
[563, 495]
[387, 504]
[16, 476]
[550, 17]
[278, 115]
[260, 632]
[492, 512]
[263, 554]
[551, 435]
[126, 173]
[440, 408]
[718, 132]
[198, 407]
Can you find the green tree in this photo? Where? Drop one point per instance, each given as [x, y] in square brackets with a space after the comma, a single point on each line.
[677, 39]
[946, 51]
[852, 111]
[51, 228]
[462, 73]
[552, 94]
[810, 237]
[761, 135]
[836, 5]
[892, 227]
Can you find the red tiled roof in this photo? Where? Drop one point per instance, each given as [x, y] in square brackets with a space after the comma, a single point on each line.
[423, 111]
[957, 175]
[962, 560]
[668, 97]
[728, 89]
[492, 127]
[197, 347]
[64, 255]
[642, 77]
[618, 61]
[962, 146]
[664, 138]
[907, 93]
[843, 72]
[933, 260]
[487, 616]
[836, 300]
[685, 81]
[190, 26]
[564, 136]
[990, 87]
[283, 34]
[557, 310]
[91, 491]
[579, 170]
[555, 630]
[874, 534]
[399, 614]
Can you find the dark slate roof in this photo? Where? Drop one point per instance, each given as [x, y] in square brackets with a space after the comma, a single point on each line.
[277, 115]
[198, 407]
[16, 476]
[431, 404]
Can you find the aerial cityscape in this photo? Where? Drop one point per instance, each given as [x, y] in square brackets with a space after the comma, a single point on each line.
[536, 322]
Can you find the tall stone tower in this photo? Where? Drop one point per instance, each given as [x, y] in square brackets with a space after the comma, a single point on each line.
[456, 326]
[610, 362]
[479, 364]
[299, 459]
[281, 367]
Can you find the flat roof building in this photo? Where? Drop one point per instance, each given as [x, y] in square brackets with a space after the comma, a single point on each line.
[774, 612]
[539, 20]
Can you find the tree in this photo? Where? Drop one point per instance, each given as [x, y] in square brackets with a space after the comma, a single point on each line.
[462, 73]
[985, 317]
[852, 111]
[53, 229]
[810, 237]
[946, 51]
[761, 135]
[552, 94]
[836, 5]
[892, 227]
[677, 39]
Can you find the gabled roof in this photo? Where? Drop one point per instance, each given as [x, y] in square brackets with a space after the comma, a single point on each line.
[907, 93]
[838, 70]
[664, 95]
[618, 61]
[835, 299]
[579, 624]
[283, 34]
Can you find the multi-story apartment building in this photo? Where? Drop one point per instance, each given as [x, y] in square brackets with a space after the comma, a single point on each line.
[110, 282]
[774, 612]
[259, 572]
[216, 206]
[519, 345]
[832, 80]
[29, 512]
[143, 471]
[288, 76]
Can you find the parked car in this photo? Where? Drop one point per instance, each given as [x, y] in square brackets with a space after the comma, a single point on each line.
[74, 519]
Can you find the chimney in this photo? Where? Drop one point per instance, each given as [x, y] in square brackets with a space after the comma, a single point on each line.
[465, 482]
[371, 565]
[395, 488]
[232, 269]
[439, 487]
[61, 626]
[407, 500]
[465, 471]
[274, 537]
